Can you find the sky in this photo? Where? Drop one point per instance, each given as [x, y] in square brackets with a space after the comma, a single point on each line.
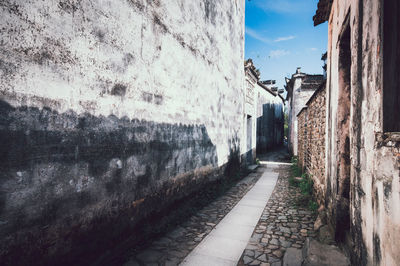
[280, 36]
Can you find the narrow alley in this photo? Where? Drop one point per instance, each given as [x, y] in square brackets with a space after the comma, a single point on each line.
[252, 223]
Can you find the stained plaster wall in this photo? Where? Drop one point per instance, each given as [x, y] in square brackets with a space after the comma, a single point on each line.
[270, 119]
[109, 110]
[293, 111]
[375, 175]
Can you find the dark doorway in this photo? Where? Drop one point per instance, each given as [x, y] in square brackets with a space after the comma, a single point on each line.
[249, 140]
[391, 66]
[342, 214]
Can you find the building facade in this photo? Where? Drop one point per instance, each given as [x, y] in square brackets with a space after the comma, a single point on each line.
[252, 75]
[362, 194]
[299, 89]
[110, 111]
[266, 112]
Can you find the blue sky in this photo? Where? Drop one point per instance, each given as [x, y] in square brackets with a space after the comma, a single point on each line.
[280, 36]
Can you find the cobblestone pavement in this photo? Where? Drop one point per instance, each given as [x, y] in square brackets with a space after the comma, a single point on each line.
[282, 225]
[176, 245]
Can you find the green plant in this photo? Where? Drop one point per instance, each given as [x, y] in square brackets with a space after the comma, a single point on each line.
[312, 205]
[294, 168]
[258, 161]
[292, 181]
[286, 126]
[306, 184]
[295, 171]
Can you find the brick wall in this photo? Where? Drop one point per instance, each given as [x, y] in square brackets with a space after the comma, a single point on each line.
[315, 158]
[311, 140]
[302, 137]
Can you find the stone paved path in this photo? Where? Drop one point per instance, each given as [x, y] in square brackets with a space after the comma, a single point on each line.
[282, 225]
[225, 244]
[176, 245]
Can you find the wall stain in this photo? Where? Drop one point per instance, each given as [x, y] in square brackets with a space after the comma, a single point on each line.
[69, 6]
[137, 4]
[119, 89]
[210, 11]
[78, 164]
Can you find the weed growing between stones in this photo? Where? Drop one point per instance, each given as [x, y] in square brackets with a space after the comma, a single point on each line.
[295, 172]
[302, 180]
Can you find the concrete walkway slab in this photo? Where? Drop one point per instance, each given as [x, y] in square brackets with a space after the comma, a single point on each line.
[197, 259]
[252, 202]
[233, 231]
[245, 210]
[226, 242]
[240, 219]
[221, 247]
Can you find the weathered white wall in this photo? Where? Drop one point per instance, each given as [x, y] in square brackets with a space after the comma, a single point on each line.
[250, 107]
[297, 105]
[181, 56]
[143, 97]
[375, 175]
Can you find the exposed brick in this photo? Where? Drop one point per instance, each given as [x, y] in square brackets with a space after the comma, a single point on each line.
[311, 141]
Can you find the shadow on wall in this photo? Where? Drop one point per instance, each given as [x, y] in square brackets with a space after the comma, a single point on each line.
[233, 165]
[270, 127]
[66, 179]
[249, 157]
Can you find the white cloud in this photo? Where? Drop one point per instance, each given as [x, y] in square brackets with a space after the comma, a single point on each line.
[286, 38]
[254, 34]
[278, 53]
[314, 49]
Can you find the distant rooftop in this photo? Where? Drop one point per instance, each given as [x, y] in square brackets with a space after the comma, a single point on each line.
[268, 82]
[308, 82]
[248, 64]
[313, 78]
[312, 82]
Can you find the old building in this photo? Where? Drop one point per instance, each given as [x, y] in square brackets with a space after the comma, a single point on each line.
[252, 75]
[266, 112]
[111, 110]
[299, 89]
[362, 175]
